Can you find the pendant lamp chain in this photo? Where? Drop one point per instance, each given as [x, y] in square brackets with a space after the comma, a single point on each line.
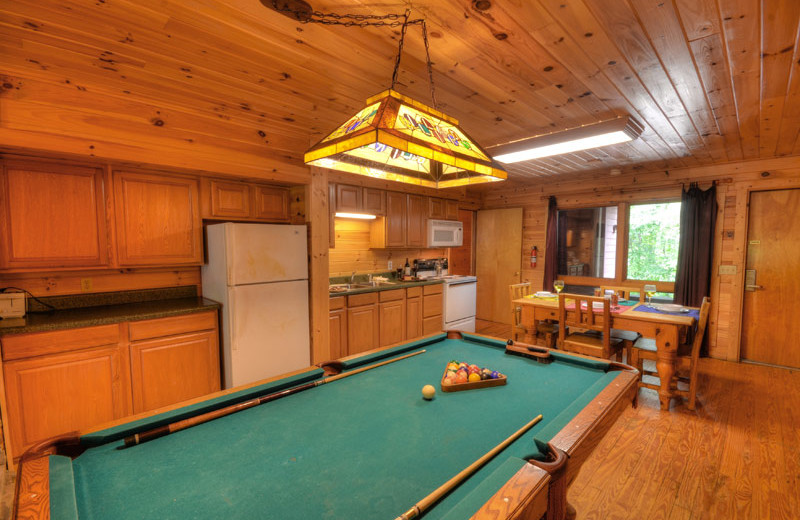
[366, 20]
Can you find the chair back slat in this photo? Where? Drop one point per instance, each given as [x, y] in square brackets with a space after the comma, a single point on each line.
[515, 292]
[702, 321]
[584, 315]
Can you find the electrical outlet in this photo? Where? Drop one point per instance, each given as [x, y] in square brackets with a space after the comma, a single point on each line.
[86, 284]
[389, 267]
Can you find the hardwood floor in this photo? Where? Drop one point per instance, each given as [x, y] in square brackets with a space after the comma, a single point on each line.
[736, 457]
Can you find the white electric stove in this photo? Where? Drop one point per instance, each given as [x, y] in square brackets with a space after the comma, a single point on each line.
[459, 295]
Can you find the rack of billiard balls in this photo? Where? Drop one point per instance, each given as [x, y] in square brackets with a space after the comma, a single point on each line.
[465, 376]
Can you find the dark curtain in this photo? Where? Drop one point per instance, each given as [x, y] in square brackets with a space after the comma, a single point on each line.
[551, 246]
[698, 218]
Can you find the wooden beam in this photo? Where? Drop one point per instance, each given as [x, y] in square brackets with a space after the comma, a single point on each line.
[317, 217]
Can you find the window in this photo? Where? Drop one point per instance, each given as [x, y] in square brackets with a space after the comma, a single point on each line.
[591, 243]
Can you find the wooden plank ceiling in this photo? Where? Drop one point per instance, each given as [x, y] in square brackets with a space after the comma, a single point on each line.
[230, 80]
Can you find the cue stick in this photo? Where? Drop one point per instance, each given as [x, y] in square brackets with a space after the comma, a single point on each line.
[160, 431]
[421, 506]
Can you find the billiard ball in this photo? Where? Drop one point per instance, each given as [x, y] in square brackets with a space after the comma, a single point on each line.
[473, 377]
[428, 391]
[495, 374]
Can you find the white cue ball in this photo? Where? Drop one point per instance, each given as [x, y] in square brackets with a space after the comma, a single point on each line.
[428, 391]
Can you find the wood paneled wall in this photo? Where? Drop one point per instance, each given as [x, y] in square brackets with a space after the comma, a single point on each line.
[735, 182]
[352, 251]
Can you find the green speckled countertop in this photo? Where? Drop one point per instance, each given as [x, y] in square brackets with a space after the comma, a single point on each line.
[87, 311]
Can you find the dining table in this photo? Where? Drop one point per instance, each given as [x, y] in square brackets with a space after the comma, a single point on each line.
[666, 327]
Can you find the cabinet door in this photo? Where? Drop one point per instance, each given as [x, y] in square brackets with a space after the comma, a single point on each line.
[373, 201]
[348, 198]
[338, 331]
[362, 328]
[172, 369]
[56, 394]
[392, 321]
[158, 220]
[52, 216]
[416, 221]
[272, 204]
[436, 208]
[227, 199]
[451, 209]
[395, 219]
[413, 317]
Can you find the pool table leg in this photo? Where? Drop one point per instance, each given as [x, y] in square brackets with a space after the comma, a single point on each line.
[557, 506]
[667, 346]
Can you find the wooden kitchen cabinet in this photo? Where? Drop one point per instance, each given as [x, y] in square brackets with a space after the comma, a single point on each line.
[413, 312]
[52, 215]
[157, 220]
[338, 327]
[451, 210]
[432, 309]
[226, 199]
[271, 204]
[373, 201]
[416, 221]
[392, 316]
[173, 359]
[348, 198]
[362, 322]
[61, 381]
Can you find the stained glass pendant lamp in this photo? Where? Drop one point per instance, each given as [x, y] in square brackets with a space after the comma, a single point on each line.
[400, 139]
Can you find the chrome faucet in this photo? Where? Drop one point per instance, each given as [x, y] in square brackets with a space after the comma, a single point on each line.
[369, 278]
[353, 277]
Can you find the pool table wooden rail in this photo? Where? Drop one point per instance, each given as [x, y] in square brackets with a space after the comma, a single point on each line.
[536, 490]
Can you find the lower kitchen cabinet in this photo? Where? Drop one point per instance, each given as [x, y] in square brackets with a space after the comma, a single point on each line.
[362, 322]
[392, 316]
[173, 359]
[61, 381]
[77, 384]
[413, 312]
[370, 320]
[432, 309]
[338, 327]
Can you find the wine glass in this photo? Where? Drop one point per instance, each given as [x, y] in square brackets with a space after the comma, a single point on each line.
[649, 290]
[558, 285]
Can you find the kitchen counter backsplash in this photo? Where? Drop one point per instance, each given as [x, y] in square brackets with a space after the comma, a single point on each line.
[77, 301]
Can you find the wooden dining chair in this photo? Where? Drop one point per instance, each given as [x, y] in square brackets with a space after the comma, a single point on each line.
[515, 292]
[586, 329]
[688, 354]
[628, 337]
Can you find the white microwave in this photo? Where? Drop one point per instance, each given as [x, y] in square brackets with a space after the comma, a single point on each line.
[445, 233]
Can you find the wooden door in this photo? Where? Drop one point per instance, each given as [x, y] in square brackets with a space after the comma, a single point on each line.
[497, 263]
[392, 319]
[770, 329]
[52, 216]
[158, 220]
[461, 258]
[362, 328]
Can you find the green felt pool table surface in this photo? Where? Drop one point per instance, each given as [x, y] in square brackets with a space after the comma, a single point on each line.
[366, 446]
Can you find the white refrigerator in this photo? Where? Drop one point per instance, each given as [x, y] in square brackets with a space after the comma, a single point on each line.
[259, 273]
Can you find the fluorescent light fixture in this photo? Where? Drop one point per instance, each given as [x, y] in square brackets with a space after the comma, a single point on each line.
[362, 216]
[572, 140]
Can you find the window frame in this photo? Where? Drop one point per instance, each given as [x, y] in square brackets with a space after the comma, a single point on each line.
[621, 265]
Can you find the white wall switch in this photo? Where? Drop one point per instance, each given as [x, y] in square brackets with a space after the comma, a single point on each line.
[389, 267]
[727, 269]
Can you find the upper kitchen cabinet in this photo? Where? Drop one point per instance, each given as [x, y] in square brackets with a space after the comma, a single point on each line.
[52, 216]
[230, 200]
[442, 209]
[355, 199]
[416, 221]
[404, 224]
[157, 220]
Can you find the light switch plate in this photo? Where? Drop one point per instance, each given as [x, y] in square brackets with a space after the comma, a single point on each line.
[727, 269]
[12, 305]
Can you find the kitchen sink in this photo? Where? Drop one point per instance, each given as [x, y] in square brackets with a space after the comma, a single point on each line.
[343, 287]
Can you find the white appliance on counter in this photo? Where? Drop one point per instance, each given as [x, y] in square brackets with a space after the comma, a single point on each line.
[459, 294]
[259, 273]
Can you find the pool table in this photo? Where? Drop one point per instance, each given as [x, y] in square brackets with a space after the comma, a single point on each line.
[366, 446]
